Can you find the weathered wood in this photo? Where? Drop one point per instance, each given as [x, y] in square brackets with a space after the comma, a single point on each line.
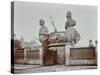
[83, 56]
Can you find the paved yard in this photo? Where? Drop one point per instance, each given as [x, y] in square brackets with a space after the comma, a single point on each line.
[37, 68]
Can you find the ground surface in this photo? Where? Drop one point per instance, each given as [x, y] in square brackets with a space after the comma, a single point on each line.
[54, 68]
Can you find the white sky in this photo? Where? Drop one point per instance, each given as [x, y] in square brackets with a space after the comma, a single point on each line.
[28, 14]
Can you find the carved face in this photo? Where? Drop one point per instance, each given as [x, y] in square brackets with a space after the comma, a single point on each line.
[90, 40]
[42, 22]
[68, 14]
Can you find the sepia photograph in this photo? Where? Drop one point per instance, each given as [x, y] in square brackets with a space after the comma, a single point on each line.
[52, 37]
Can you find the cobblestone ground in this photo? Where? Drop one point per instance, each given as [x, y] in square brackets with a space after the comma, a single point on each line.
[37, 68]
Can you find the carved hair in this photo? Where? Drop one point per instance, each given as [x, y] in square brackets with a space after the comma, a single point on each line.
[69, 14]
[42, 22]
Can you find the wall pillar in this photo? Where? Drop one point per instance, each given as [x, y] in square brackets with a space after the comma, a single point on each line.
[41, 56]
[25, 60]
[67, 53]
